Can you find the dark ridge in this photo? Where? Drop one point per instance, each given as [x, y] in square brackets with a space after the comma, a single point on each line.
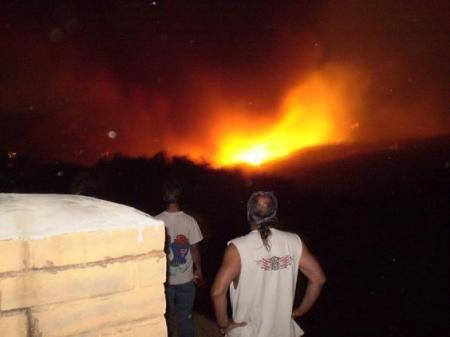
[377, 220]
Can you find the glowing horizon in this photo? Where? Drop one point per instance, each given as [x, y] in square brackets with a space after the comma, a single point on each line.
[313, 113]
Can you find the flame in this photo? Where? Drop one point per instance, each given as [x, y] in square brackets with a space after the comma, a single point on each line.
[322, 109]
[310, 115]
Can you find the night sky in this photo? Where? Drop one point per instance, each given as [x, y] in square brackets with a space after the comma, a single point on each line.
[81, 80]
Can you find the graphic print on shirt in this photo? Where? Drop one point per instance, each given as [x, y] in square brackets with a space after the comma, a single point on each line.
[178, 251]
[274, 263]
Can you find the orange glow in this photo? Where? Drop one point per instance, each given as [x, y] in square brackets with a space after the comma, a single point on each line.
[322, 109]
[313, 113]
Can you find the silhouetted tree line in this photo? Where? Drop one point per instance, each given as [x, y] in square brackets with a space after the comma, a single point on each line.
[378, 223]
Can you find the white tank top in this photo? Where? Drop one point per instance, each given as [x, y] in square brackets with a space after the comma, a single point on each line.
[265, 293]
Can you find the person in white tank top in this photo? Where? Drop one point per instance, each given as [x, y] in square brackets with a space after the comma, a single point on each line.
[260, 269]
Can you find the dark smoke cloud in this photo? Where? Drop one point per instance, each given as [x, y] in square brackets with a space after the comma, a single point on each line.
[401, 46]
[82, 81]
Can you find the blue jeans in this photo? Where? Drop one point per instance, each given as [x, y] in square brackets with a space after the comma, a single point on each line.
[180, 301]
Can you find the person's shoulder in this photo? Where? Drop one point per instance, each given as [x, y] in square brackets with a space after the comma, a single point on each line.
[160, 215]
[188, 217]
[242, 239]
[286, 234]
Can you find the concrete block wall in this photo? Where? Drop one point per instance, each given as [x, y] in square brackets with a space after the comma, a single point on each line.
[74, 266]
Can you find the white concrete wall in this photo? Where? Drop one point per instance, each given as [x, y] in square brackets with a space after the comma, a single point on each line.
[79, 266]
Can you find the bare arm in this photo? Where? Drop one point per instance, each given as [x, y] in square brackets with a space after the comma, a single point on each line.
[229, 271]
[195, 252]
[311, 268]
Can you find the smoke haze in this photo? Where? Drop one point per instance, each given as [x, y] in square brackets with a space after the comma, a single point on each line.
[81, 82]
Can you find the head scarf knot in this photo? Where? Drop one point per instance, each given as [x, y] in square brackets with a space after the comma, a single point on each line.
[262, 214]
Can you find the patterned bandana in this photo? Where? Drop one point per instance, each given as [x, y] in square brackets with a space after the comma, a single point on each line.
[252, 204]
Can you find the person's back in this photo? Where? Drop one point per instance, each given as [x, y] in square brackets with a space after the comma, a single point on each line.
[182, 233]
[182, 238]
[265, 291]
[260, 269]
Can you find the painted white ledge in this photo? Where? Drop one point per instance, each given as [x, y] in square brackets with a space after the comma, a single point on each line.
[38, 216]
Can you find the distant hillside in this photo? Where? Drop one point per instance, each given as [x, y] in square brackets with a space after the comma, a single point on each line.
[333, 164]
[375, 215]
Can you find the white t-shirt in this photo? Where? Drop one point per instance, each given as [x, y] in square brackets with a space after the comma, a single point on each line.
[182, 233]
[264, 296]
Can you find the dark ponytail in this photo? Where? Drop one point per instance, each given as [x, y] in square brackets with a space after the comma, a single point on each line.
[264, 231]
[261, 211]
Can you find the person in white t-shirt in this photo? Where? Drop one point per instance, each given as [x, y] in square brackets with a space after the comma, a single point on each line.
[260, 269]
[183, 261]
